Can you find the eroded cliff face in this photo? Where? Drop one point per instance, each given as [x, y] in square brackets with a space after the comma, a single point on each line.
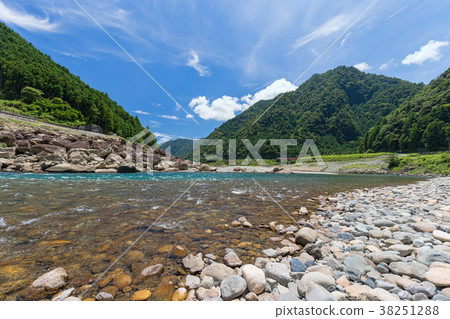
[25, 148]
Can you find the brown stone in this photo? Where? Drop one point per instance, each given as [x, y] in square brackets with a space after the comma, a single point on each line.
[134, 256]
[113, 290]
[122, 281]
[439, 276]
[180, 251]
[164, 292]
[179, 294]
[141, 295]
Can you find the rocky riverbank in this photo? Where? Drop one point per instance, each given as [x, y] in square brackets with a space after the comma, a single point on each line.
[378, 244]
[388, 243]
[29, 149]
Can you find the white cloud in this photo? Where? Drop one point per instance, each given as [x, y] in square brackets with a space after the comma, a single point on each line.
[363, 66]
[189, 116]
[225, 108]
[169, 117]
[429, 52]
[141, 112]
[386, 65]
[27, 21]
[162, 138]
[194, 62]
[331, 26]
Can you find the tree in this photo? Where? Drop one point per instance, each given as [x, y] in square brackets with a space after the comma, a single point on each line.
[30, 95]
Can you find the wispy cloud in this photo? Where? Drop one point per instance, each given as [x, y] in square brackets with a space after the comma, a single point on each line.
[141, 112]
[26, 21]
[363, 66]
[333, 25]
[194, 62]
[387, 65]
[225, 108]
[169, 117]
[429, 52]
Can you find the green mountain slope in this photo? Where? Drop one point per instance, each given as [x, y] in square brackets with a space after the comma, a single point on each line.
[65, 98]
[422, 123]
[335, 109]
[180, 147]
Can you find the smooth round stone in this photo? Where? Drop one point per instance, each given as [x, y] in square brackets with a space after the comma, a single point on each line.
[369, 282]
[384, 223]
[419, 297]
[141, 295]
[52, 280]
[442, 236]
[207, 282]
[382, 269]
[439, 276]
[446, 292]
[424, 227]
[192, 282]
[271, 253]
[193, 263]
[278, 272]
[411, 269]
[315, 278]
[404, 250]
[255, 278]
[385, 257]
[179, 294]
[232, 287]
[231, 259]
[121, 281]
[305, 236]
[310, 263]
[217, 271]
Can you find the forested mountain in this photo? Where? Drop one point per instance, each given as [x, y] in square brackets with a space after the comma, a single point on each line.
[51, 91]
[421, 123]
[180, 147]
[335, 109]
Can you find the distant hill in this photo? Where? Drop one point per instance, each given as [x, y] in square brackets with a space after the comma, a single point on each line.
[335, 108]
[421, 123]
[33, 84]
[180, 147]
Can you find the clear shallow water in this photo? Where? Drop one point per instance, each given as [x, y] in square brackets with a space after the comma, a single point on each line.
[83, 222]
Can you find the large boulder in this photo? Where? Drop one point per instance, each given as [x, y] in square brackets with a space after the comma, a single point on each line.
[52, 280]
[232, 287]
[254, 277]
[193, 263]
[217, 271]
[305, 236]
[278, 272]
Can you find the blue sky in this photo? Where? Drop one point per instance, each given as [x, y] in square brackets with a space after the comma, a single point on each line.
[216, 58]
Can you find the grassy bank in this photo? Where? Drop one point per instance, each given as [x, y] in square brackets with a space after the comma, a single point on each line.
[438, 163]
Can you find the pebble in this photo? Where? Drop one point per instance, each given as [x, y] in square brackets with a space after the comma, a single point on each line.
[141, 295]
[193, 263]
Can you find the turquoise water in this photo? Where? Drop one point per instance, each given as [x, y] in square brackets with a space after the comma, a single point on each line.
[83, 222]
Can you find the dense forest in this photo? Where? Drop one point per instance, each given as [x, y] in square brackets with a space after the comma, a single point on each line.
[421, 123]
[34, 84]
[180, 147]
[336, 109]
